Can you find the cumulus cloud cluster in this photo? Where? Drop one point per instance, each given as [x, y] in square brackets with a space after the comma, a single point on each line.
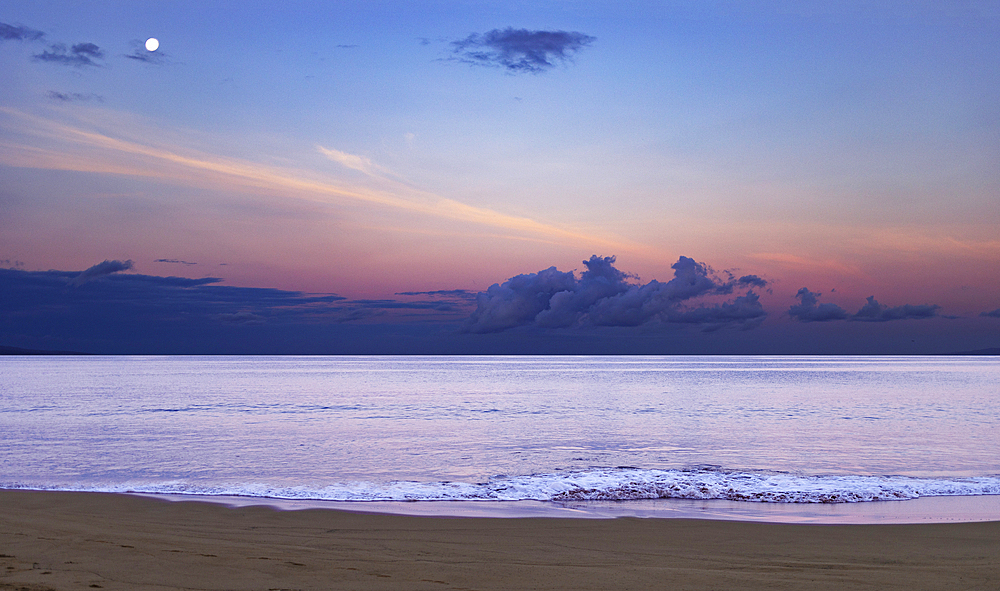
[19, 33]
[79, 55]
[520, 50]
[76, 55]
[606, 296]
[810, 310]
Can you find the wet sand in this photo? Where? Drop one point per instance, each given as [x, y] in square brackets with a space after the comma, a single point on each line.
[54, 540]
[943, 509]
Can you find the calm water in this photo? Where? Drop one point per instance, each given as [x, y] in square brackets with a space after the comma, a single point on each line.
[801, 429]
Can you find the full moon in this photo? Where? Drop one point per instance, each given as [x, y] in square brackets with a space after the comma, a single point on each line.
[152, 43]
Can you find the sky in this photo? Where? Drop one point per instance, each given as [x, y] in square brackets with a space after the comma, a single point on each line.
[579, 177]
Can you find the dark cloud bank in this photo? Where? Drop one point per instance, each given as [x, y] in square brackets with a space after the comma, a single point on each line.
[520, 50]
[108, 308]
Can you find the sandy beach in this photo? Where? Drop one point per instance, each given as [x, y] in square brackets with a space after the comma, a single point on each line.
[52, 540]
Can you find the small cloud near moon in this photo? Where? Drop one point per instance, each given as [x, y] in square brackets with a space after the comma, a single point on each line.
[152, 44]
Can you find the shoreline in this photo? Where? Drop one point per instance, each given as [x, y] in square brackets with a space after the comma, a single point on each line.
[939, 509]
[929, 509]
[75, 540]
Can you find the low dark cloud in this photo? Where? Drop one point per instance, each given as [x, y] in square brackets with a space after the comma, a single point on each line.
[810, 310]
[242, 317]
[100, 270]
[606, 296]
[361, 309]
[994, 313]
[397, 305]
[174, 261]
[520, 50]
[181, 281]
[79, 55]
[873, 311]
[19, 33]
[450, 302]
[460, 293]
[72, 97]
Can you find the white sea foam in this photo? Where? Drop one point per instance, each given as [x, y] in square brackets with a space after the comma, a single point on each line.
[613, 484]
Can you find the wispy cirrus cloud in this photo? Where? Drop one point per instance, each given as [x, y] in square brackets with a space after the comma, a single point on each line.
[352, 161]
[79, 147]
[797, 262]
[520, 50]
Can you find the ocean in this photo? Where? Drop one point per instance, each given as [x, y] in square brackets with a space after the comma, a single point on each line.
[592, 435]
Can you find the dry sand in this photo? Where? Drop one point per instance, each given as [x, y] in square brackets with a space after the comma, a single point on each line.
[51, 540]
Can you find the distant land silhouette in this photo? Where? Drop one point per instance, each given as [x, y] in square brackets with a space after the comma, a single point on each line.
[991, 351]
[4, 350]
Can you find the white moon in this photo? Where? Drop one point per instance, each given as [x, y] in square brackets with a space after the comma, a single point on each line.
[152, 44]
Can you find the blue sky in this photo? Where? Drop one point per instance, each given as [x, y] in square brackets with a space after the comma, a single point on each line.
[370, 149]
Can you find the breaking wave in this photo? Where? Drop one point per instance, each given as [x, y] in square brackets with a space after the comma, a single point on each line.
[611, 484]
